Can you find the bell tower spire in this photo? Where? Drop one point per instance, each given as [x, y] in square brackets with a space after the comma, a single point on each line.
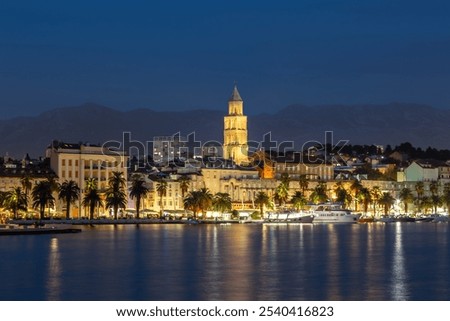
[235, 143]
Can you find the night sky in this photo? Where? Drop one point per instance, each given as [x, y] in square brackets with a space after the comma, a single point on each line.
[176, 55]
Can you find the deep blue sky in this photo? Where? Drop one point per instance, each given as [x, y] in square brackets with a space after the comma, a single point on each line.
[187, 54]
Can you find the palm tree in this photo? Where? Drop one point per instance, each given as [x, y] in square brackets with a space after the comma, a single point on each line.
[285, 180]
[406, 196]
[92, 200]
[115, 193]
[161, 188]
[387, 201]
[446, 196]
[366, 197]
[53, 183]
[356, 187]
[222, 202]
[138, 190]
[27, 185]
[192, 202]
[69, 192]
[2, 198]
[90, 183]
[42, 197]
[342, 195]
[319, 193]
[298, 200]
[281, 193]
[303, 183]
[436, 201]
[426, 203]
[15, 200]
[434, 188]
[262, 200]
[184, 184]
[198, 201]
[206, 200]
[420, 189]
[376, 194]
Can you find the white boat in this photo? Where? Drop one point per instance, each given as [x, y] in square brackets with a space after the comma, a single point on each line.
[288, 217]
[332, 213]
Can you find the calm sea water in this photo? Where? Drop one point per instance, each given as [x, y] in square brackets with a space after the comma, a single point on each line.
[401, 261]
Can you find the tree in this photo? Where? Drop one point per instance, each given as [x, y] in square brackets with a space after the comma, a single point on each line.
[303, 183]
[298, 200]
[69, 192]
[184, 182]
[15, 200]
[376, 194]
[420, 189]
[222, 202]
[355, 188]
[387, 201]
[138, 190]
[262, 200]
[27, 185]
[282, 190]
[92, 200]
[115, 193]
[434, 188]
[285, 180]
[319, 193]
[426, 203]
[366, 197]
[206, 200]
[42, 197]
[90, 183]
[192, 202]
[342, 195]
[406, 196]
[281, 194]
[161, 188]
[198, 201]
[436, 201]
[446, 196]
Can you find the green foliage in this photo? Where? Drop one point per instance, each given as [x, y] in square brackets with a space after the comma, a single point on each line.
[262, 200]
[115, 193]
[222, 202]
[319, 193]
[256, 215]
[69, 192]
[138, 191]
[42, 196]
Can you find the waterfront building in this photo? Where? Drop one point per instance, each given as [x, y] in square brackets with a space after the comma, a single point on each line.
[79, 162]
[296, 167]
[242, 184]
[235, 136]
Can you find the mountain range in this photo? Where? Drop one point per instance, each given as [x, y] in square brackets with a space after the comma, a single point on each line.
[392, 124]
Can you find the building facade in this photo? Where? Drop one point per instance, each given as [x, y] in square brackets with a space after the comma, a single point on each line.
[79, 162]
[168, 148]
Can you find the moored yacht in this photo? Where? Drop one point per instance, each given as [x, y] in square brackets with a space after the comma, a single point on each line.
[332, 213]
[288, 217]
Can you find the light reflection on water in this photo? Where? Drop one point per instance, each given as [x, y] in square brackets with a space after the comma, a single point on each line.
[408, 261]
[399, 286]
[54, 271]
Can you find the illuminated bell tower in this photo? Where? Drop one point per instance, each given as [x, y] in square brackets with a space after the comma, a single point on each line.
[235, 142]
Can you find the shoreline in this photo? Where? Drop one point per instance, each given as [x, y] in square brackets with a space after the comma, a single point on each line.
[126, 222]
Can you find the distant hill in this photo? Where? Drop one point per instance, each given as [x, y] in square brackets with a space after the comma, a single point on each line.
[361, 124]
